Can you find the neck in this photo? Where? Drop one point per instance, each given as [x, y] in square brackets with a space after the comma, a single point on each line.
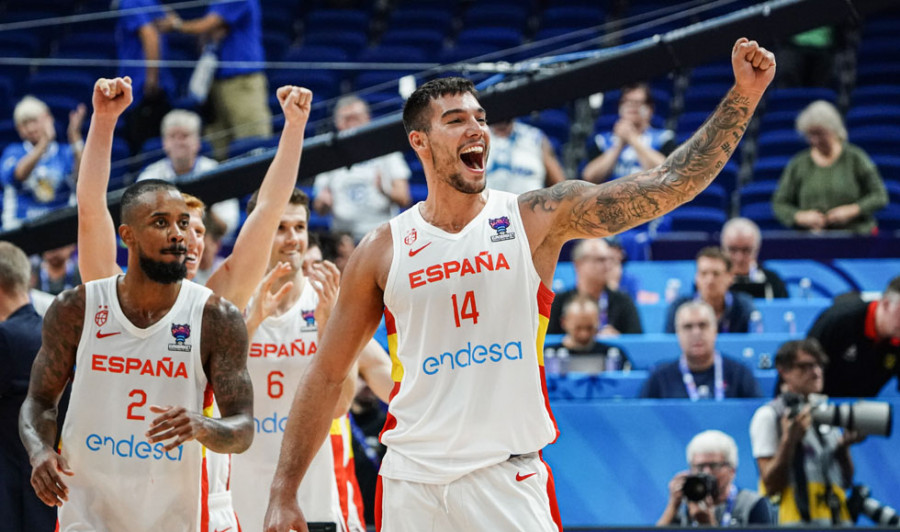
[700, 364]
[569, 343]
[450, 210]
[10, 303]
[593, 290]
[182, 166]
[143, 301]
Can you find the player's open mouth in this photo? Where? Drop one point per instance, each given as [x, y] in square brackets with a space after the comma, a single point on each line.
[473, 157]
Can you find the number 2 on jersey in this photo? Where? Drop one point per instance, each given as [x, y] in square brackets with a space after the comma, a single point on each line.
[142, 395]
[469, 310]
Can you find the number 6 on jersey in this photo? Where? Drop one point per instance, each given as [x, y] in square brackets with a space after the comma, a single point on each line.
[469, 310]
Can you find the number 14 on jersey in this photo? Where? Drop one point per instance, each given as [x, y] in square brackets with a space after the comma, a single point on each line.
[468, 311]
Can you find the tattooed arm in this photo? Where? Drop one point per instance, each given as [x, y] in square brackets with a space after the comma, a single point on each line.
[50, 373]
[224, 345]
[580, 210]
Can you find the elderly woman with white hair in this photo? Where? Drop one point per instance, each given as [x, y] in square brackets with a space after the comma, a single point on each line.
[833, 184]
[706, 495]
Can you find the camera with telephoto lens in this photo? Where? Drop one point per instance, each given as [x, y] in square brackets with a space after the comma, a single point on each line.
[861, 502]
[699, 486]
[865, 417]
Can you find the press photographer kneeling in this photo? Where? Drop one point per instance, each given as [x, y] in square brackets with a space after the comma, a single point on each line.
[803, 457]
[706, 495]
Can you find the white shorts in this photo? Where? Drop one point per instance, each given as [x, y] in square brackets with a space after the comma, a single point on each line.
[221, 513]
[517, 494]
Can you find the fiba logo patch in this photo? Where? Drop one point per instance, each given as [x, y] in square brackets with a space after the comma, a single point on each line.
[180, 333]
[101, 316]
[309, 319]
[501, 225]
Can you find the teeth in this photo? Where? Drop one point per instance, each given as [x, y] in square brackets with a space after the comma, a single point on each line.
[474, 149]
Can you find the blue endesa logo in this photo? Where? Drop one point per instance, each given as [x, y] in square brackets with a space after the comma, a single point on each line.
[270, 425]
[472, 354]
[127, 448]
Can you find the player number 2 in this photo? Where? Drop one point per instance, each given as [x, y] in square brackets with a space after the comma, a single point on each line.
[469, 310]
[276, 389]
[139, 402]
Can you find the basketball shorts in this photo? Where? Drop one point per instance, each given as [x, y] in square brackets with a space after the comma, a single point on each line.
[221, 513]
[517, 494]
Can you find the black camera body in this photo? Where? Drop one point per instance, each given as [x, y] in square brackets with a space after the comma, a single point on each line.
[699, 486]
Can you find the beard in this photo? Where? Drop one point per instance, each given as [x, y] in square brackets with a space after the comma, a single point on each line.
[163, 272]
[455, 179]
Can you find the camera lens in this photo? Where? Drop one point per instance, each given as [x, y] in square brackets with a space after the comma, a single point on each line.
[698, 487]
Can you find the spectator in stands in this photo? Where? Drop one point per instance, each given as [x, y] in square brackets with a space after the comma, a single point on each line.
[239, 94]
[580, 318]
[38, 175]
[633, 144]
[741, 241]
[713, 282]
[20, 340]
[521, 159]
[180, 131]
[862, 341]
[714, 453]
[210, 260]
[365, 195]
[832, 185]
[618, 315]
[701, 372]
[56, 271]
[805, 465]
[138, 39]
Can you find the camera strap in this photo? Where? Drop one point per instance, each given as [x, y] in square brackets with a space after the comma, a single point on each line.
[688, 378]
[729, 506]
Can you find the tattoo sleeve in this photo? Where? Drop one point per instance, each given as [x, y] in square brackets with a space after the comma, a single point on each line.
[51, 370]
[582, 210]
[225, 347]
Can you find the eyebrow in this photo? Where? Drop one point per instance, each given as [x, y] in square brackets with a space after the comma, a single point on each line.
[479, 110]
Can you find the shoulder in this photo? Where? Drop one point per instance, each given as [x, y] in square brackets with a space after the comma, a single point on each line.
[155, 170]
[374, 253]
[220, 309]
[68, 309]
[840, 312]
[205, 163]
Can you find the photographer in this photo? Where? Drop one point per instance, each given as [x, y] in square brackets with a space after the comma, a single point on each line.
[707, 495]
[805, 466]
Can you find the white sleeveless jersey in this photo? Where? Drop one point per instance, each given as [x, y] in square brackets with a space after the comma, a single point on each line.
[122, 481]
[466, 315]
[516, 162]
[280, 352]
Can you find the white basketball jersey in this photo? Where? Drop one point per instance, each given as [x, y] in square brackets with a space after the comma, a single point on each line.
[280, 353]
[466, 315]
[121, 480]
[516, 162]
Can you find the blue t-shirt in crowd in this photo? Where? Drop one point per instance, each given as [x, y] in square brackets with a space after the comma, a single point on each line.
[129, 47]
[244, 40]
[48, 187]
[666, 381]
[660, 140]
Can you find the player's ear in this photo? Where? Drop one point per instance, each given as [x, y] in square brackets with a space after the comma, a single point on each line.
[126, 233]
[418, 140]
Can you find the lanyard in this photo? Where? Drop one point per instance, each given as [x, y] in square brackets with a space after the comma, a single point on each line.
[603, 303]
[691, 386]
[729, 506]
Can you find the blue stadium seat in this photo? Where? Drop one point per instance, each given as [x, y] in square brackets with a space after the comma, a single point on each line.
[555, 123]
[785, 143]
[762, 214]
[770, 167]
[429, 41]
[653, 317]
[465, 52]
[507, 16]
[889, 218]
[728, 176]
[279, 19]
[8, 133]
[691, 121]
[713, 73]
[705, 219]
[804, 312]
[873, 115]
[875, 95]
[704, 98]
[758, 192]
[775, 120]
[243, 146]
[564, 277]
[501, 37]
[435, 19]
[888, 166]
[589, 387]
[877, 140]
[392, 54]
[795, 99]
[882, 49]
[343, 20]
[825, 282]
[870, 275]
[713, 197]
[61, 81]
[274, 45]
[572, 17]
[878, 74]
[649, 349]
[655, 275]
[351, 42]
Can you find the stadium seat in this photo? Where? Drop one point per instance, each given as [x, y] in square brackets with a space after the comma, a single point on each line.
[870, 275]
[704, 98]
[429, 41]
[564, 277]
[889, 218]
[501, 37]
[877, 140]
[769, 167]
[713, 197]
[881, 49]
[762, 214]
[878, 74]
[825, 282]
[705, 219]
[758, 192]
[434, 19]
[803, 312]
[351, 42]
[656, 275]
[649, 349]
[572, 17]
[784, 143]
[888, 166]
[555, 123]
[795, 99]
[778, 120]
[653, 317]
[338, 20]
[507, 16]
[875, 95]
[721, 73]
[873, 115]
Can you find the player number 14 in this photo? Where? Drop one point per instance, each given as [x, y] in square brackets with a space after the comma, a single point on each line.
[468, 312]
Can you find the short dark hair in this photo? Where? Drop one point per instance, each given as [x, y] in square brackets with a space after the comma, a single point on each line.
[415, 111]
[298, 197]
[648, 96]
[215, 227]
[786, 355]
[893, 286]
[131, 196]
[713, 252]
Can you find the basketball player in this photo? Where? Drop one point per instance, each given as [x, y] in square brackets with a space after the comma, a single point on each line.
[284, 319]
[147, 345]
[462, 280]
[239, 274]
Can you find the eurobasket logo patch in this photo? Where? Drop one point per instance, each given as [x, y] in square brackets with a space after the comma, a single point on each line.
[309, 318]
[101, 316]
[501, 225]
[181, 333]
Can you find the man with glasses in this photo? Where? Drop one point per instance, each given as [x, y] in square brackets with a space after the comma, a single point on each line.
[714, 453]
[804, 466]
[633, 145]
[741, 241]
